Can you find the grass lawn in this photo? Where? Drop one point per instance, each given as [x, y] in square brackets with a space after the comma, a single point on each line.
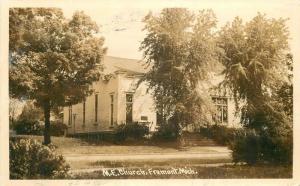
[67, 145]
[70, 147]
[79, 165]
[151, 171]
[158, 163]
[158, 168]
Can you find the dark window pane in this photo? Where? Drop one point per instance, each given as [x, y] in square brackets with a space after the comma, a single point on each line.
[70, 115]
[83, 114]
[129, 97]
[96, 107]
[111, 109]
[159, 118]
[219, 114]
[129, 113]
[112, 114]
[225, 115]
[144, 118]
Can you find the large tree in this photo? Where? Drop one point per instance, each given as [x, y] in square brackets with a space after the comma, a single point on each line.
[255, 60]
[181, 50]
[53, 60]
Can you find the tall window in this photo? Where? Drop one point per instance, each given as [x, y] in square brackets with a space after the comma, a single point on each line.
[70, 115]
[96, 107]
[159, 116]
[129, 108]
[83, 113]
[222, 110]
[111, 110]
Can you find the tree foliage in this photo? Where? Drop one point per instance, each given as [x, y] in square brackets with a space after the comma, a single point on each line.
[258, 70]
[53, 60]
[255, 65]
[284, 92]
[31, 113]
[180, 48]
[29, 121]
[15, 107]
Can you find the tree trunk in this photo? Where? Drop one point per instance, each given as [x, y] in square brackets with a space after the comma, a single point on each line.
[47, 108]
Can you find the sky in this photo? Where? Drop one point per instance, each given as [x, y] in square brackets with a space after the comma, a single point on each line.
[121, 21]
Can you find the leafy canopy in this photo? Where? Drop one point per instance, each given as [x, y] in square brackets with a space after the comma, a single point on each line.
[255, 58]
[52, 58]
[180, 48]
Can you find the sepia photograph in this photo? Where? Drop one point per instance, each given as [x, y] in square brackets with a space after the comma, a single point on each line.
[139, 90]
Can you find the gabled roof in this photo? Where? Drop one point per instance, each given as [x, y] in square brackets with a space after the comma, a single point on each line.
[117, 64]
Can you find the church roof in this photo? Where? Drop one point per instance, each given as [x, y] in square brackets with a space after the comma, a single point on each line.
[117, 64]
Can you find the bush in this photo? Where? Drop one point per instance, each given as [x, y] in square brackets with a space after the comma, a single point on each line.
[57, 128]
[130, 131]
[277, 149]
[166, 132]
[29, 127]
[252, 147]
[221, 134]
[246, 147]
[30, 159]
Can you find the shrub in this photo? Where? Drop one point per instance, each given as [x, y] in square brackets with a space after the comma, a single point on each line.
[30, 159]
[28, 121]
[252, 147]
[277, 148]
[273, 145]
[25, 126]
[57, 128]
[166, 132]
[29, 127]
[246, 147]
[221, 134]
[134, 131]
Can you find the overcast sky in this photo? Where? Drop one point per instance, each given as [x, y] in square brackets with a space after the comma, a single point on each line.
[121, 23]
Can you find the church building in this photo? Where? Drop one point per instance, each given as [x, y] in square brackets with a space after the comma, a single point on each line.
[118, 99]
